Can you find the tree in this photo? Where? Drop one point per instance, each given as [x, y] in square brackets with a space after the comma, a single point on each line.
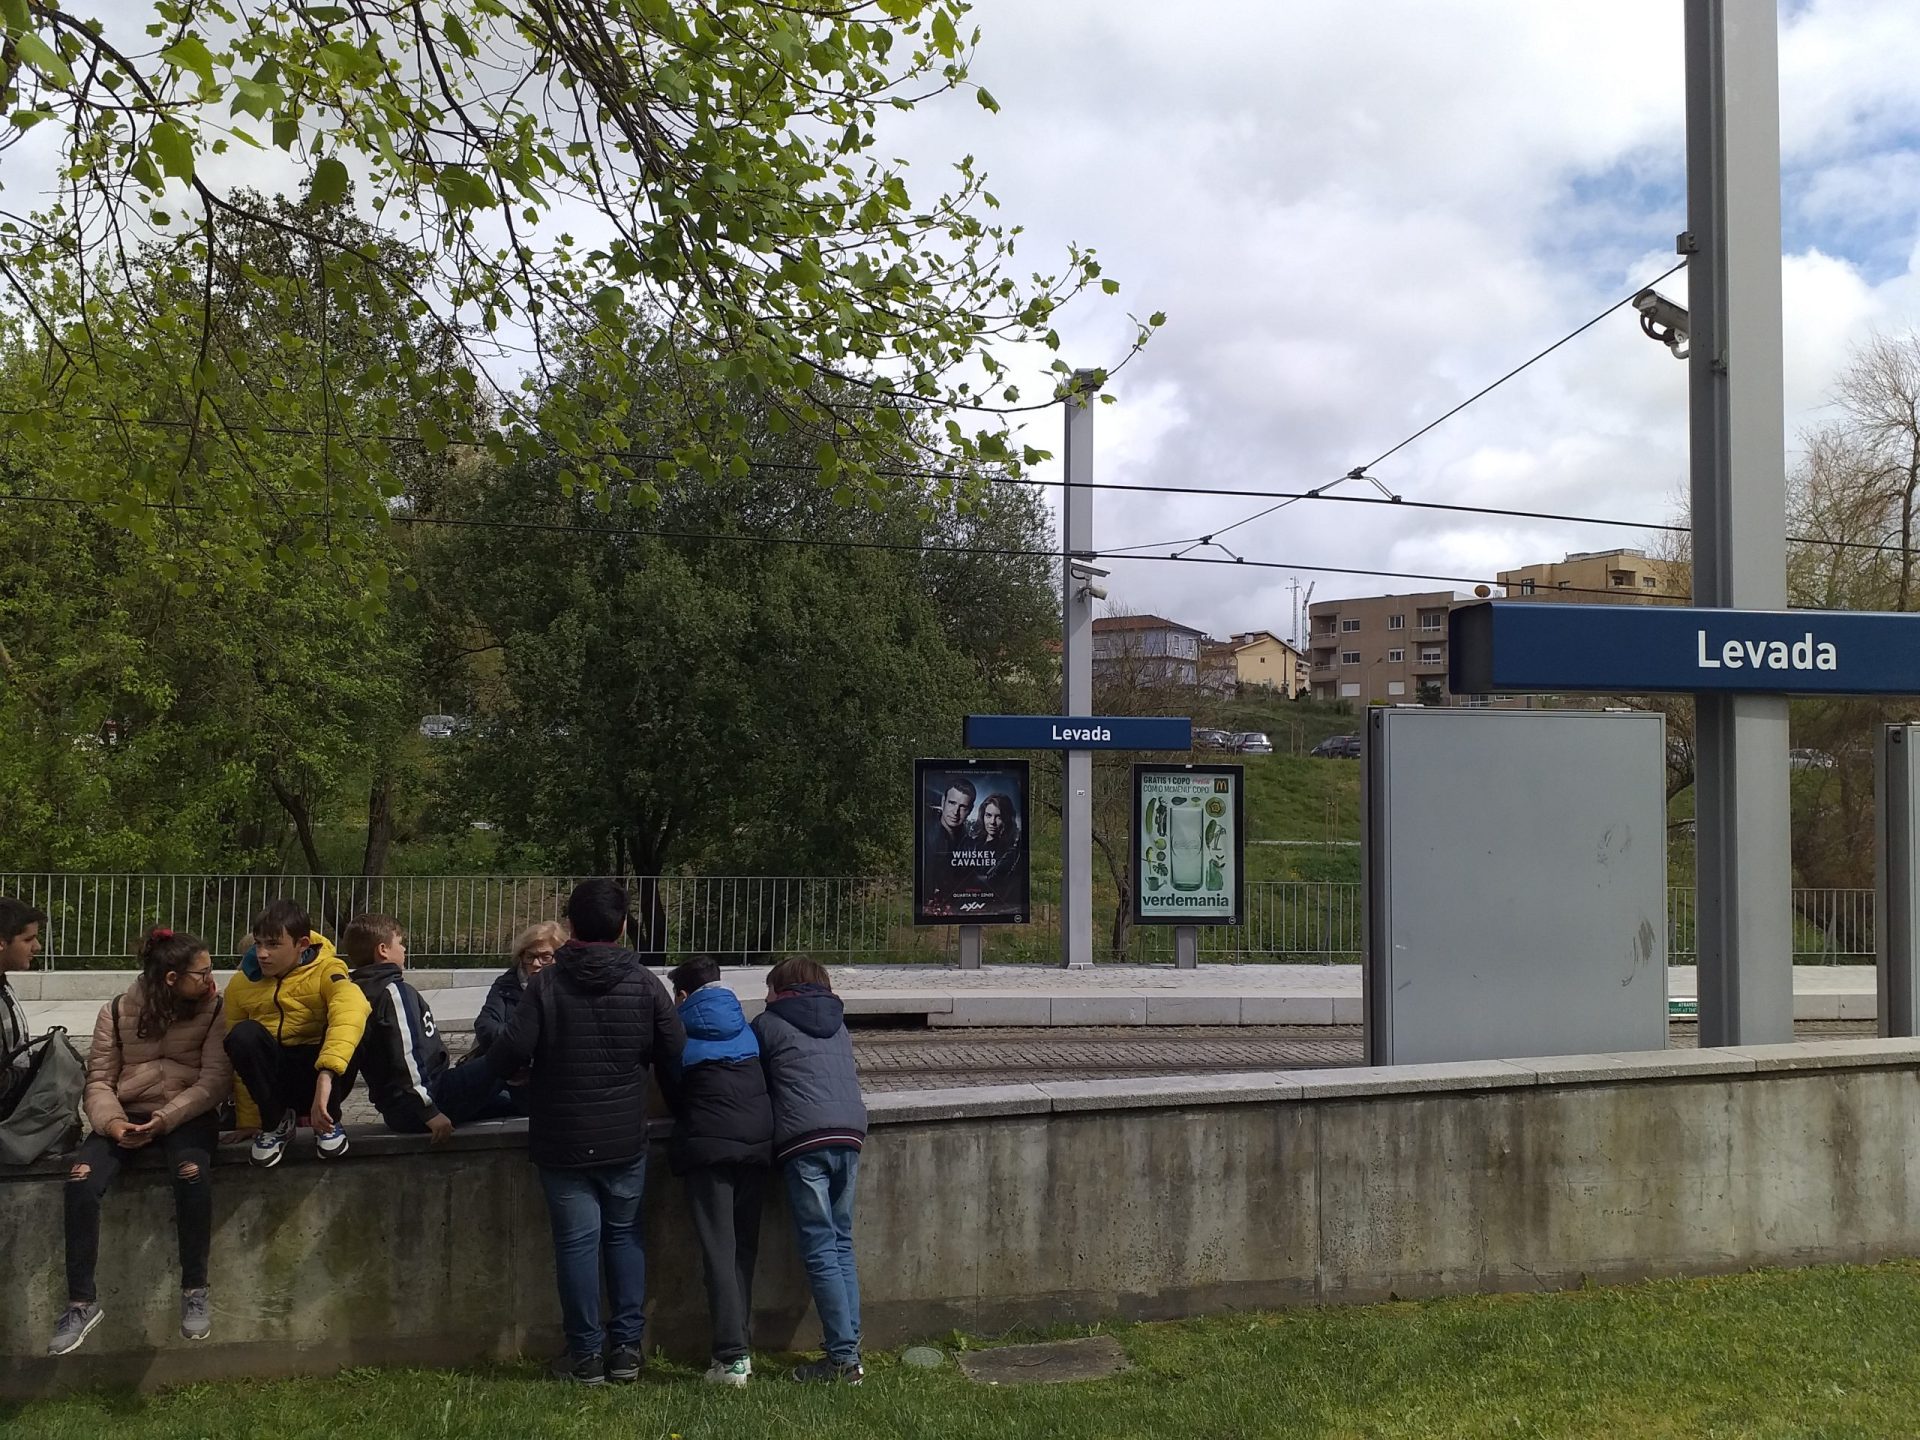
[723, 152]
[698, 692]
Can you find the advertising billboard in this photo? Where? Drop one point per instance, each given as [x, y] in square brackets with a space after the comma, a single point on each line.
[1189, 845]
[970, 842]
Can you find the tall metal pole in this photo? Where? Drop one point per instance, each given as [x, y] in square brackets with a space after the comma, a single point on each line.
[1076, 665]
[1743, 867]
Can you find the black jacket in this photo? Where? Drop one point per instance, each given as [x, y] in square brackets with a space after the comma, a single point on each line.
[590, 1025]
[497, 1014]
[400, 1054]
[718, 1090]
[810, 1072]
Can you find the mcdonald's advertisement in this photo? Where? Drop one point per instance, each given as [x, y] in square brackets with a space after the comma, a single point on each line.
[1189, 844]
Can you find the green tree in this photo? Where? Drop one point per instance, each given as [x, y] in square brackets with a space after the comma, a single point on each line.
[724, 152]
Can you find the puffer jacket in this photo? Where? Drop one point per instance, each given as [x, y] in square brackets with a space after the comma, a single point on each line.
[176, 1075]
[718, 1089]
[810, 1072]
[315, 1003]
[591, 1024]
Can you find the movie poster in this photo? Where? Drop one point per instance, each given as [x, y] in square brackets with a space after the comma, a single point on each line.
[1188, 844]
[970, 842]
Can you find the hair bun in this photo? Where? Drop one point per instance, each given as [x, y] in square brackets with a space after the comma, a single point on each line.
[160, 932]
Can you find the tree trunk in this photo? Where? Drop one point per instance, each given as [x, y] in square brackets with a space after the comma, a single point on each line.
[302, 816]
[1906, 522]
[373, 861]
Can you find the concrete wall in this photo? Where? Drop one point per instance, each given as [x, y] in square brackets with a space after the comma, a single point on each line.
[980, 1209]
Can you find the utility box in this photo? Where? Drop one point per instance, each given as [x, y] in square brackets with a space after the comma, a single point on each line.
[1896, 775]
[1515, 870]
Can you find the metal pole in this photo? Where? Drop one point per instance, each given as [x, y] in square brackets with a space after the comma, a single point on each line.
[1739, 509]
[969, 947]
[1896, 791]
[1076, 665]
[1186, 947]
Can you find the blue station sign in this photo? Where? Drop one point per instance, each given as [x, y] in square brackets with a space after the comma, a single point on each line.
[1078, 732]
[1534, 647]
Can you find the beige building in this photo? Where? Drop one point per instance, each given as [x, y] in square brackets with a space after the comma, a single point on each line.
[1381, 649]
[1261, 658]
[1602, 577]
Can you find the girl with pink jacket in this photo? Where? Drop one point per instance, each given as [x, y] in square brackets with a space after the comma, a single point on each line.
[156, 1076]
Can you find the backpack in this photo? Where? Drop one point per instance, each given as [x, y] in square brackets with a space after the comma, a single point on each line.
[41, 1109]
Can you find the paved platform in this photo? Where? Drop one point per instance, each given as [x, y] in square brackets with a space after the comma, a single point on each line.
[1009, 996]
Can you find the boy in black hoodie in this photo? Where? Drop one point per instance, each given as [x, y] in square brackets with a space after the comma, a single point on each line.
[723, 1144]
[591, 1025]
[400, 1055]
[819, 1126]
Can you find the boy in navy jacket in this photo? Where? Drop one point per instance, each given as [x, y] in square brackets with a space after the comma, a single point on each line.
[401, 1056]
[723, 1145]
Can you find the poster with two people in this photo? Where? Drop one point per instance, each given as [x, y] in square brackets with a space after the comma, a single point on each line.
[970, 842]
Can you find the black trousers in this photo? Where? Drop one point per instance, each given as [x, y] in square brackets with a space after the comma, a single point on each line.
[726, 1201]
[190, 1145]
[278, 1077]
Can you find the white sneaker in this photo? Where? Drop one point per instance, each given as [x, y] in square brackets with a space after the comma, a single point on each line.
[270, 1146]
[332, 1143]
[730, 1372]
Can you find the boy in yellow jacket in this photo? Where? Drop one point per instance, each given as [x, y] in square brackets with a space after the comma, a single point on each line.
[294, 1019]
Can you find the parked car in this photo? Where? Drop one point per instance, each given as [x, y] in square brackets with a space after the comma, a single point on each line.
[442, 727]
[1205, 738]
[1810, 760]
[1338, 747]
[1252, 742]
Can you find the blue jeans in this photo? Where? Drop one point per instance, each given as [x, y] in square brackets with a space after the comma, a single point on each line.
[820, 1196]
[597, 1218]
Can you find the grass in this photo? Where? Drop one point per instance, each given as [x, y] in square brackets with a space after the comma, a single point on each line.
[1824, 1352]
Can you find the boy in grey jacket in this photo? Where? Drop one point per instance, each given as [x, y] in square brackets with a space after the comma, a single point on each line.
[819, 1125]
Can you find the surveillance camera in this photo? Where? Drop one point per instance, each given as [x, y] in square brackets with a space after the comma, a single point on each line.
[1662, 320]
[1093, 592]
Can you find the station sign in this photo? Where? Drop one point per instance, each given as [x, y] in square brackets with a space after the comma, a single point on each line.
[1540, 647]
[1078, 732]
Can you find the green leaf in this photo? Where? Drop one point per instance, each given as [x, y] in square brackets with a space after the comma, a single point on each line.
[1157, 319]
[37, 53]
[16, 14]
[174, 148]
[461, 187]
[1110, 287]
[987, 102]
[190, 52]
[329, 182]
[945, 39]
[286, 131]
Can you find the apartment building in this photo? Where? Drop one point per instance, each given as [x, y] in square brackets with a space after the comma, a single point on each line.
[1381, 649]
[1602, 577]
[1146, 650]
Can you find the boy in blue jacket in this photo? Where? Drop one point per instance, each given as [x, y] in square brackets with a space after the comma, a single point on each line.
[401, 1055]
[722, 1144]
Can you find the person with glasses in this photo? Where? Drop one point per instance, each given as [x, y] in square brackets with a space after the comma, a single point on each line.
[157, 1074]
[533, 951]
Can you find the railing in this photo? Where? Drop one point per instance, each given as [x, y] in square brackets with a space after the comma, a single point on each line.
[470, 920]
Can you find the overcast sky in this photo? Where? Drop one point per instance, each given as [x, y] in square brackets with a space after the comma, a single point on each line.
[1355, 216]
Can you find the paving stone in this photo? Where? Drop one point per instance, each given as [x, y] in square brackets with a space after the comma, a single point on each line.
[1098, 1357]
[1097, 1010]
[1193, 1010]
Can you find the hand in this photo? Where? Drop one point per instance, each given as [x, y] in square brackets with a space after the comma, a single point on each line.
[240, 1136]
[520, 1077]
[439, 1127]
[320, 1119]
[133, 1137]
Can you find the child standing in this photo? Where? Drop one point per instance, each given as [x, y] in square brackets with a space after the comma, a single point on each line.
[156, 1073]
[819, 1125]
[295, 1019]
[409, 1079]
[722, 1144]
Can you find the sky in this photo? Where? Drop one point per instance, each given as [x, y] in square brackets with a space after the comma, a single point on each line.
[1356, 216]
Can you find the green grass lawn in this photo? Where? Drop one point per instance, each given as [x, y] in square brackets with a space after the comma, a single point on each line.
[1826, 1352]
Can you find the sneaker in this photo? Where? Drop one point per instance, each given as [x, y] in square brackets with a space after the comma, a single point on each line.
[196, 1316]
[624, 1364]
[730, 1372]
[590, 1371]
[270, 1146]
[76, 1323]
[830, 1372]
[333, 1143]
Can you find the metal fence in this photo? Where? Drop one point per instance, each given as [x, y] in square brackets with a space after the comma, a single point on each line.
[96, 920]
